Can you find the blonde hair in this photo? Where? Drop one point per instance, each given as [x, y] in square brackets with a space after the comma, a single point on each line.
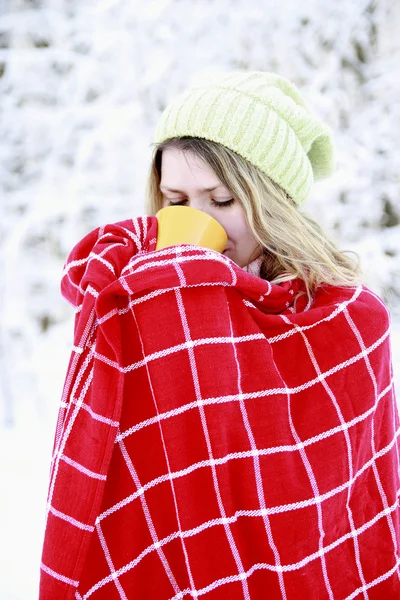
[294, 245]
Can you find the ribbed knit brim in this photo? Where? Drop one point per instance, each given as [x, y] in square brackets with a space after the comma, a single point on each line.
[263, 118]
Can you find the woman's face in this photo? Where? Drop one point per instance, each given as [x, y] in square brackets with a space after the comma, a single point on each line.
[187, 180]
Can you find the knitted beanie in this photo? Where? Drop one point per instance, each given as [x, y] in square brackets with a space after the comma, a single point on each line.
[263, 118]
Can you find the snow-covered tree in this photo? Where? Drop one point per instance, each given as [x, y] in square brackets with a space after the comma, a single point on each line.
[82, 85]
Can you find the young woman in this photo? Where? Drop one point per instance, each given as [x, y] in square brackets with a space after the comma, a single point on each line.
[264, 226]
[228, 427]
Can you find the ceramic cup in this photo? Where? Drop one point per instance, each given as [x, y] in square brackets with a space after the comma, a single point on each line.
[186, 225]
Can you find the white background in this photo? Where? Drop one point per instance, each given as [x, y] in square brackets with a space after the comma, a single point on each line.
[82, 85]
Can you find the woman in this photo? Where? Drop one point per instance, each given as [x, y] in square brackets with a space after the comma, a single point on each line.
[228, 427]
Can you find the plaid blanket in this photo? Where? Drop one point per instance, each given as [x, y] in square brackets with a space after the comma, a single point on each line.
[219, 436]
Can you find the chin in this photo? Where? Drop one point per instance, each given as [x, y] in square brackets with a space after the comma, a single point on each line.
[232, 257]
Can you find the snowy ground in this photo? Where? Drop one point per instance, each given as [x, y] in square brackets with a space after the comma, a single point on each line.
[82, 85]
[24, 461]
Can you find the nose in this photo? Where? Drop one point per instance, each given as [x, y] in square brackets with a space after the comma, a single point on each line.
[205, 207]
[201, 205]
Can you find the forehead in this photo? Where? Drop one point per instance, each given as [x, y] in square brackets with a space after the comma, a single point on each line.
[179, 168]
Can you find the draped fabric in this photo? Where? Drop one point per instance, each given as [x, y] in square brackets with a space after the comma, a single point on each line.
[219, 436]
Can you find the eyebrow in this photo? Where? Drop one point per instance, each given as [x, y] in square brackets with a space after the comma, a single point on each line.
[168, 189]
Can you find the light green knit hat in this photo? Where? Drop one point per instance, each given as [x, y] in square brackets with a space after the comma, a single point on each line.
[263, 118]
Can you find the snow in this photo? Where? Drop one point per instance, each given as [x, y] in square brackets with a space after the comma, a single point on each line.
[23, 488]
[82, 85]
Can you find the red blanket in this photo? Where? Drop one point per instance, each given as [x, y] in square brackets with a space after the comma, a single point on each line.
[215, 437]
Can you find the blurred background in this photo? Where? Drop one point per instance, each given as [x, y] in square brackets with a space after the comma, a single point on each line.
[82, 85]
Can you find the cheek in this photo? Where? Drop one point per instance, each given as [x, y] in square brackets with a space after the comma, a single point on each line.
[238, 228]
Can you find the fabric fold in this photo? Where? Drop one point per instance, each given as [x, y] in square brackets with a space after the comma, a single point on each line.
[219, 435]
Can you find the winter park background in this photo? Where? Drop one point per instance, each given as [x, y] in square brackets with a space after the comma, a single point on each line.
[82, 85]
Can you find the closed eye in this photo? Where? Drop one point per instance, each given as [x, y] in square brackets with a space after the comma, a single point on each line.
[213, 202]
[222, 204]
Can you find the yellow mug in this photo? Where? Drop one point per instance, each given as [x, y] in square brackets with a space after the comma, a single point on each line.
[186, 225]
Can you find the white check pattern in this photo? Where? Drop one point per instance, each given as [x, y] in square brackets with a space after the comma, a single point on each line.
[217, 436]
